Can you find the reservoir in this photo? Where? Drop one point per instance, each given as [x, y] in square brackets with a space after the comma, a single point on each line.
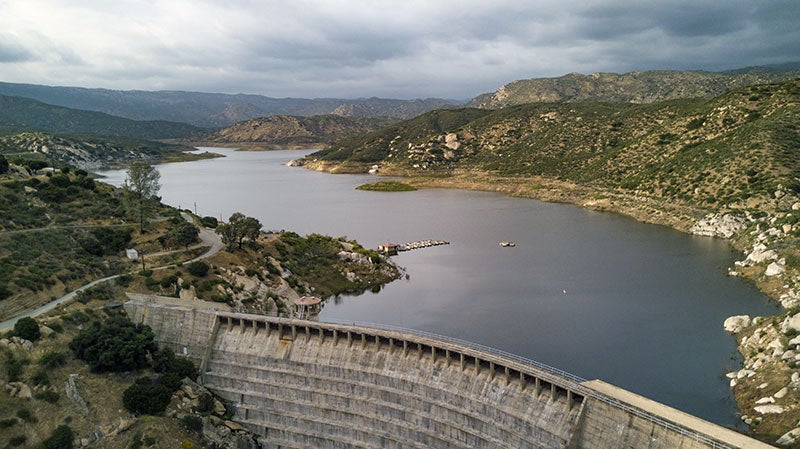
[595, 294]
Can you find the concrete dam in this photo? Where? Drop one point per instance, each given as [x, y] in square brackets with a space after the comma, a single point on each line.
[309, 384]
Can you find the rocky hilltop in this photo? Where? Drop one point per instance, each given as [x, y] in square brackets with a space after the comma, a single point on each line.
[633, 87]
[288, 130]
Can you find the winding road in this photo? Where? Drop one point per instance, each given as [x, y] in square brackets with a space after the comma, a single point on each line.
[207, 238]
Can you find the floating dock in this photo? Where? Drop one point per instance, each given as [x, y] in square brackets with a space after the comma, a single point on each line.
[392, 249]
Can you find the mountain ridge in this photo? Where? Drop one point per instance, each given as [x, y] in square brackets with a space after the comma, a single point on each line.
[211, 110]
[632, 87]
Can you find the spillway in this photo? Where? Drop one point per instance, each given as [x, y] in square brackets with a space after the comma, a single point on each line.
[300, 384]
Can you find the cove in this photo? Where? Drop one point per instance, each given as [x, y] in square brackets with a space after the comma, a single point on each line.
[595, 294]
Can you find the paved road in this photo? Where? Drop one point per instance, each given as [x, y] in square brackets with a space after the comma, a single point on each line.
[207, 237]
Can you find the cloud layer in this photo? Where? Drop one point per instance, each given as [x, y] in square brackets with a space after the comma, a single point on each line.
[361, 48]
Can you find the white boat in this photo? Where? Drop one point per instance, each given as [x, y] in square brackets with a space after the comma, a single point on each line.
[508, 244]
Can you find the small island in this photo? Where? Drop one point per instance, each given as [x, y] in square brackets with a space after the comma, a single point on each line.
[386, 186]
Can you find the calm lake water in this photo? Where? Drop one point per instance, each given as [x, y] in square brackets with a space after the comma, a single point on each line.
[596, 294]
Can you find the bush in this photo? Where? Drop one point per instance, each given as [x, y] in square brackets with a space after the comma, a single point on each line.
[193, 423]
[26, 415]
[14, 368]
[61, 438]
[18, 440]
[47, 396]
[52, 359]
[198, 269]
[115, 345]
[8, 422]
[27, 328]
[146, 397]
[41, 377]
[209, 222]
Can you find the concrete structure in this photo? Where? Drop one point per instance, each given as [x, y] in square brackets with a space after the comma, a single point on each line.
[309, 384]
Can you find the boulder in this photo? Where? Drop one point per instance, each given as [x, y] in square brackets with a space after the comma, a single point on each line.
[45, 331]
[219, 408]
[774, 269]
[769, 409]
[715, 225]
[791, 324]
[789, 437]
[736, 324]
[758, 256]
[781, 393]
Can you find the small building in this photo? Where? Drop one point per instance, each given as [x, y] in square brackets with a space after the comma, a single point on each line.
[306, 306]
[390, 249]
[132, 254]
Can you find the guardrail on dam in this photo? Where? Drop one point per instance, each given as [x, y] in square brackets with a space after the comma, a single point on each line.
[302, 384]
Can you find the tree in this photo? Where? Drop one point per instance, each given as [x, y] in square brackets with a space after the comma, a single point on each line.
[27, 328]
[140, 191]
[183, 234]
[237, 229]
[3, 164]
[115, 345]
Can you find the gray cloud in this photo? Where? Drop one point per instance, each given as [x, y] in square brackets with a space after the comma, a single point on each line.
[360, 48]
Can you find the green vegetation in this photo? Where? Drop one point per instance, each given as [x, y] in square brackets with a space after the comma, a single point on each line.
[27, 328]
[386, 186]
[724, 152]
[146, 397]
[198, 268]
[61, 438]
[114, 345]
[238, 229]
[140, 191]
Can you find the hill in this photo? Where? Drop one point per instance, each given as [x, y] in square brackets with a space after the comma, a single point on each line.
[90, 152]
[19, 114]
[633, 87]
[735, 150]
[213, 110]
[287, 130]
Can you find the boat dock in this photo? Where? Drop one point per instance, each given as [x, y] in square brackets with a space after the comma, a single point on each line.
[392, 249]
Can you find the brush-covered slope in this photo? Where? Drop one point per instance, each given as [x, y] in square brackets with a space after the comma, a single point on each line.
[89, 152]
[19, 114]
[633, 87]
[736, 149]
[295, 130]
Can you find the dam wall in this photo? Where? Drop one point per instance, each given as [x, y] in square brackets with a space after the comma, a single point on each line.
[301, 384]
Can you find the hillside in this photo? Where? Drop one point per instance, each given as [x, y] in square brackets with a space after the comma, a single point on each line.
[287, 130]
[19, 114]
[90, 152]
[212, 110]
[633, 87]
[735, 150]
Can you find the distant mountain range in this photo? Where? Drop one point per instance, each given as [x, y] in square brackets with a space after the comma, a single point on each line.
[19, 114]
[633, 87]
[213, 110]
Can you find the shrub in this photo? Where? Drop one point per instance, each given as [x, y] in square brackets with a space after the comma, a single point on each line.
[146, 397]
[8, 422]
[198, 269]
[26, 415]
[209, 222]
[27, 328]
[193, 423]
[52, 359]
[18, 440]
[14, 368]
[115, 345]
[47, 396]
[61, 438]
[41, 377]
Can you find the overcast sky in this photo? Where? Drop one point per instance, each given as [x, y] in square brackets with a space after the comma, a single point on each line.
[394, 49]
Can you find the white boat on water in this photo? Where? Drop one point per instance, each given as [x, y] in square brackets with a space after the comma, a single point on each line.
[508, 244]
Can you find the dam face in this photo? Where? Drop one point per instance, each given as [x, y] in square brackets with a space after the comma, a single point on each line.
[301, 384]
